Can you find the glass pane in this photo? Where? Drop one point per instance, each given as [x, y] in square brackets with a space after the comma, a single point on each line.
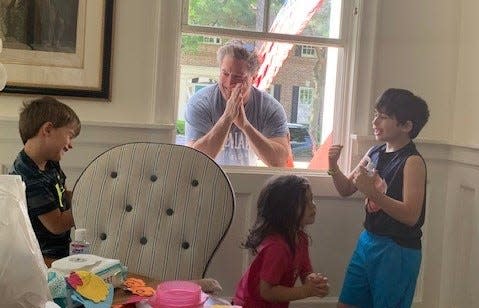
[317, 18]
[232, 14]
[304, 85]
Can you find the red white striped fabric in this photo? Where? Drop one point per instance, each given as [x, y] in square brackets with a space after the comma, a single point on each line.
[292, 18]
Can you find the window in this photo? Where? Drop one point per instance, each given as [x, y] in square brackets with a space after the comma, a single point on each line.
[305, 101]
[308, 51]
[214, 40]
[310, 85]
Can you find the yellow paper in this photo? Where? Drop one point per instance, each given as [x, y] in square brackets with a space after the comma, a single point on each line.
[93, 287]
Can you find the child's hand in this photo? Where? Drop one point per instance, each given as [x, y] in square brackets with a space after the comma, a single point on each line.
[209, 285]
[333, 155]
[316, 285]
[320, 281]
[364, 182]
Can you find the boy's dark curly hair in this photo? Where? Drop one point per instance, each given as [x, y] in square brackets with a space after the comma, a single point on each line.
[404, 106]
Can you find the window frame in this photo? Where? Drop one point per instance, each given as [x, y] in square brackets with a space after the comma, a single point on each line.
[347, 44]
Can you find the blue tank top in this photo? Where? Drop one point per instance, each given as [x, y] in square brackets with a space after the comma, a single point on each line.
[390, 167]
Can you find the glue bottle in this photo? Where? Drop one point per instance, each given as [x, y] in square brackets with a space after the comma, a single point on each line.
[79, 244]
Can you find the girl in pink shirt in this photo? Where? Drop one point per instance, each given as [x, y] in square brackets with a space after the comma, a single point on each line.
[285, 207]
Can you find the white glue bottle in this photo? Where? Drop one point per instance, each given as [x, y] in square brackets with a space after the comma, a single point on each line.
[370, 167]
[79, 244]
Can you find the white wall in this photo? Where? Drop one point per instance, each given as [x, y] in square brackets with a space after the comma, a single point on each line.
[466, 107]
[416, 49]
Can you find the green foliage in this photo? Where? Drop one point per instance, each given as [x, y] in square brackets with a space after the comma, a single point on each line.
[190, 43]
[243, 14]
[180, 127]
[236, 14]
[318, 25]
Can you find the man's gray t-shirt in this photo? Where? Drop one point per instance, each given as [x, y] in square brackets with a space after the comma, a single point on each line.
[262, 110]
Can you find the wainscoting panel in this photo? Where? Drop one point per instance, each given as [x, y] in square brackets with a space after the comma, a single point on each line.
[460, 282]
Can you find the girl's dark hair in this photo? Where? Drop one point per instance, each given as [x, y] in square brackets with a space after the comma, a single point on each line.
[281, 205]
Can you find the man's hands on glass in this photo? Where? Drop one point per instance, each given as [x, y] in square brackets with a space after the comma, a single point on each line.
[234, 110]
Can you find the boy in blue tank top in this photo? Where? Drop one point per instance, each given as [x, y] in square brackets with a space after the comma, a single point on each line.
[385, 264]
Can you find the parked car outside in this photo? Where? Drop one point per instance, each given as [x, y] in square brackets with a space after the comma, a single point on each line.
[302, 144]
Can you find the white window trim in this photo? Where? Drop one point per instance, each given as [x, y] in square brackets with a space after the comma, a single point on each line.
[346, 83]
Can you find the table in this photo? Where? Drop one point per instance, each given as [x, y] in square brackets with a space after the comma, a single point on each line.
[121, 295]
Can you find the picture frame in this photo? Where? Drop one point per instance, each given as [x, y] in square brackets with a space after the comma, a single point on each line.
[60, 48]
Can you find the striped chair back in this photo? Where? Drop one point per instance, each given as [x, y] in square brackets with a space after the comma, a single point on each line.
[161, 209]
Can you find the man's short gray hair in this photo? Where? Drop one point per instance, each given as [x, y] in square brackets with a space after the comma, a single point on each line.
[240, 51]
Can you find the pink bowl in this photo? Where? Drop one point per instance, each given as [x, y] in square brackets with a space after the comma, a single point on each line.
[176, 294]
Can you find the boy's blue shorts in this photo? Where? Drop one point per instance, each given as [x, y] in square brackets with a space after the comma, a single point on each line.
[380, 274]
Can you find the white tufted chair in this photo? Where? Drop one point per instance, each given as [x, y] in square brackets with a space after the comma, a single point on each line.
[161, 209]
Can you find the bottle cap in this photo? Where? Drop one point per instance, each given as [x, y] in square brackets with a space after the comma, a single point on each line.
[80, 235]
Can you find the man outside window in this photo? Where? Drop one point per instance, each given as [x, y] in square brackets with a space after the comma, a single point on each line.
[234, 122]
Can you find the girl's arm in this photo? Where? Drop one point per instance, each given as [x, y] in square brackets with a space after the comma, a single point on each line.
[279, 293]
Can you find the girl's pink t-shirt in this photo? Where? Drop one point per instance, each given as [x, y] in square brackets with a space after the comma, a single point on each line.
[276, 265]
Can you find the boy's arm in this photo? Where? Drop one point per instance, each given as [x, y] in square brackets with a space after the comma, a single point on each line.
[344, 184]
[408, 210]
[56, 221]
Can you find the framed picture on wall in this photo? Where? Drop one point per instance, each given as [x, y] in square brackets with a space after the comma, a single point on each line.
[57, 47]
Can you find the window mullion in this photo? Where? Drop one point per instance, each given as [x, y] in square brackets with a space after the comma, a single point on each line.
[262, 36]
[266, 15]
[184, 12]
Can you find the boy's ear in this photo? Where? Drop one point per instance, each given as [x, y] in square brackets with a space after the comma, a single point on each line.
[407, 127]
[46, 128]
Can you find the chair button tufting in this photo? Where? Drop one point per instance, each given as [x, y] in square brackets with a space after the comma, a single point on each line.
[113, 174]
[143, 241]
[169, 212]
[128, 208]
[103, 236]
[185, 245]
[194, 183]
[153, 178]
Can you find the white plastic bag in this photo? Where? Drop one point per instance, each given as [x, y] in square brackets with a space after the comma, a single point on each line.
[23, 273]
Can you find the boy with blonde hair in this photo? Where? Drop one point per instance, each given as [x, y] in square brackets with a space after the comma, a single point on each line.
[47, 128]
